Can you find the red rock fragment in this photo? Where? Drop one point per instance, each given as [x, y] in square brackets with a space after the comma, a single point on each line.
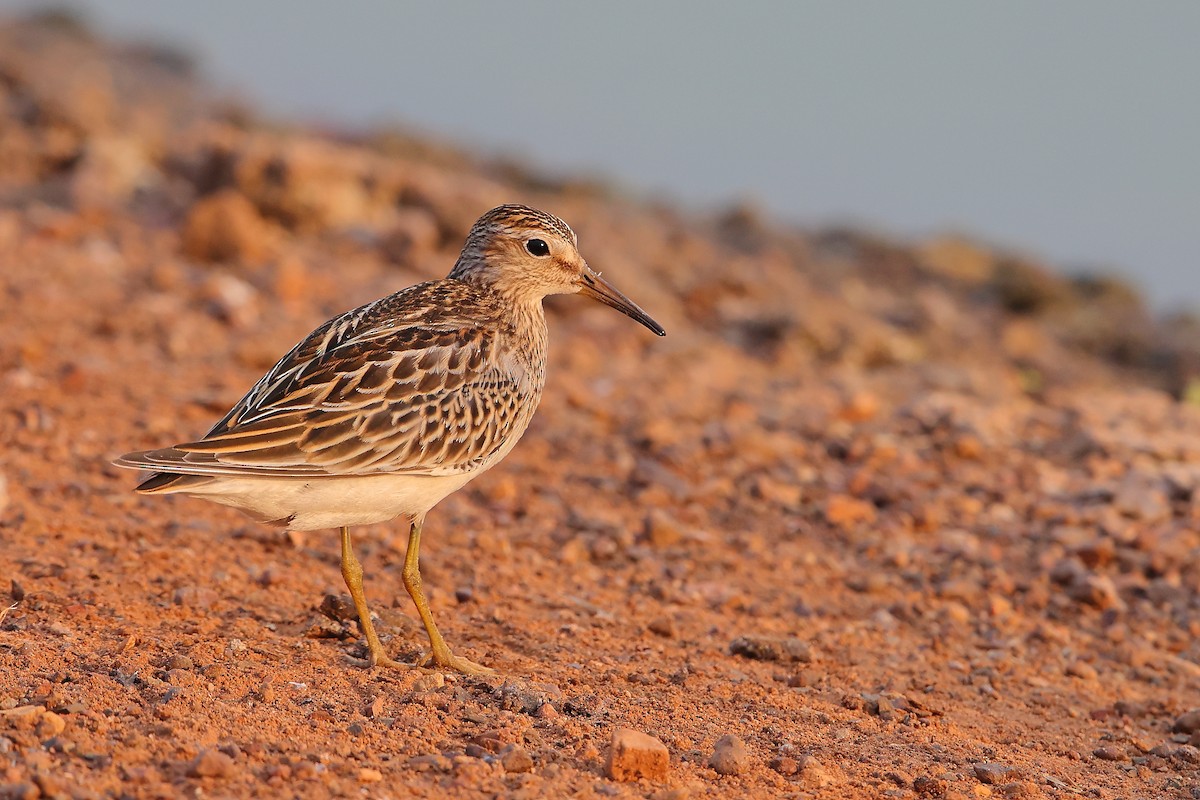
[635, 755]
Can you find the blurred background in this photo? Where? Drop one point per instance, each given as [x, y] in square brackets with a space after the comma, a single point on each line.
[1066, 129]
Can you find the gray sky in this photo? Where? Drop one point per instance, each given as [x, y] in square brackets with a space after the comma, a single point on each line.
[1068, 129]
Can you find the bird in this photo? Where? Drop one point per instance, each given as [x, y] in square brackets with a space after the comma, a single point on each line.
[385, 410]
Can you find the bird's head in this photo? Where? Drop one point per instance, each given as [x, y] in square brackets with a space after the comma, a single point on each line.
[527, 254]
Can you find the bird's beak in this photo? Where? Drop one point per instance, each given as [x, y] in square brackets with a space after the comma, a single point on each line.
[592, 285]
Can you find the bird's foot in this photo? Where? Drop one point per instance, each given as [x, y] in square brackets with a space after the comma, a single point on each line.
[446, 660]
[378, 658]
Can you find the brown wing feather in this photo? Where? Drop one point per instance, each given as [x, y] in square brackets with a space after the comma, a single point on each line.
[411, 383]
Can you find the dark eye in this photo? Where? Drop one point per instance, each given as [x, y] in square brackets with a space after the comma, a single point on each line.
[537, 247]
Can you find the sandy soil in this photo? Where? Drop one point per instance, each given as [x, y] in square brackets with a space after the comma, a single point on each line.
[874, 520]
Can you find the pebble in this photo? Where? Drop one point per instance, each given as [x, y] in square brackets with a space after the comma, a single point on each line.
[199, 597]
[210, 764]
[1096, 590]
[1188, 722]
[1142, 497]
[928, 786]
[413, 234]
[848, 512]
[232, 300]
[51, 785]
[1082, 669]
[20, 791]
[430, 762]
[369, 775]
[4, 497]
[785, 765]
[814, 774]
[224, 226]
[729, 756]
[763, 648]
[516, 758]
[180, 662]
[50, 725]
[662, 626]
[662, 529]
[992, 773]
[1189, 754]
[429, 682]
[526, 696]
[633, 755]
[1111, 753]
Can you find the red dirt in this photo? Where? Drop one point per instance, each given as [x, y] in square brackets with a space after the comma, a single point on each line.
[871, 510]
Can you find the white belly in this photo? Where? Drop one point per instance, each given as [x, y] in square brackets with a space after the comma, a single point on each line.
[308, 504]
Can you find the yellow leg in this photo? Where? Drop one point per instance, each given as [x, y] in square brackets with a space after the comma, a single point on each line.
[439, 651]
[353, 574]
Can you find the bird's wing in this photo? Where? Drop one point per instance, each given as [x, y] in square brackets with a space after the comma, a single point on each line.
[409, 384]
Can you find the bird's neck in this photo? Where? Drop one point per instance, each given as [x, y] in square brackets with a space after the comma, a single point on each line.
[528, 336]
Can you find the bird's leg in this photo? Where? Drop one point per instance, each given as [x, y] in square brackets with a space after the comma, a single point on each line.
[439, 651]
[353, 574]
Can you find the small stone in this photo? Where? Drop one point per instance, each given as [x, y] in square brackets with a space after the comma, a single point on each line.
[180, 662]
[785, 765]
[233, 301]
[1111, 753]
[678, 793]
[375, 709]
[662, 626]
[414, 234]
[814, 774]
[1186, 753]
[338, 607]
[994, 774]
[762, 648]
[369, 775]
[50, 725]
[224, 226]
[1082, 669]
[927, 786]
[1142, 497]
[516, 758]
[51, 785]
[1188, 722]
[526, 696]
[546, 711]
[848, 512]
[429, 682]
[729, 756]
[210, 764]
[435, 762]
[1096, 590]
[200, 597]
[633, 755]
[20, 791]
[662, 529]
[1017, 790]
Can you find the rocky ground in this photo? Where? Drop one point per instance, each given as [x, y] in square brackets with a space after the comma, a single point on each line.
[876, 519]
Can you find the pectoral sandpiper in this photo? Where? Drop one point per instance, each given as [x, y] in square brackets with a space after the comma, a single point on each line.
[385, 410]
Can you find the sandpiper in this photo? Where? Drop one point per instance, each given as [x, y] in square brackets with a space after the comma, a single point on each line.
[385, 410]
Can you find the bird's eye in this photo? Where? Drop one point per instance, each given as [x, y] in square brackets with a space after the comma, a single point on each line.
[537, 247]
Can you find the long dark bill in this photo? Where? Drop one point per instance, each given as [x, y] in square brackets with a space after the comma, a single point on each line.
[597, 288]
